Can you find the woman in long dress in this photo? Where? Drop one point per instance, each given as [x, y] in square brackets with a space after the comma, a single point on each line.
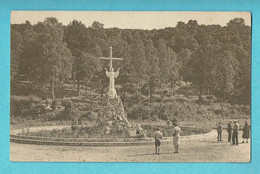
[176, 137]
[245, 132]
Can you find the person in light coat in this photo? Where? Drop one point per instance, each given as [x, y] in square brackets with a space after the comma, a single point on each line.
[176, 137]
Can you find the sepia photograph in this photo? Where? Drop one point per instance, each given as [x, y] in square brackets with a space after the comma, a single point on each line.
[130, 86]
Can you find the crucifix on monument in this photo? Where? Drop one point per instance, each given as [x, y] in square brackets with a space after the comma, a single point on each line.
[111, 75]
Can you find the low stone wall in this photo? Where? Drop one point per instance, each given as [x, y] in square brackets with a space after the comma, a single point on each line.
[23, 139]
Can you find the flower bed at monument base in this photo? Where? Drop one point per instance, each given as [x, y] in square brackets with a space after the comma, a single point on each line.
[54, 135]
[90, 133]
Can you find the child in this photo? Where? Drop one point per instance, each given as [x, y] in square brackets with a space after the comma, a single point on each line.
[176, 137]
[157, 137]
[219, 129]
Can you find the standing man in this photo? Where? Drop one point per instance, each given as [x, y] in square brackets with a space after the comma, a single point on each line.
[219, 129]
[229, 130]
[235, 133]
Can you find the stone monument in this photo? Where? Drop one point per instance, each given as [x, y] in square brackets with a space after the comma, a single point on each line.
[112, 117]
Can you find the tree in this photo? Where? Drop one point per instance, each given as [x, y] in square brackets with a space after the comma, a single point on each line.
[199, 71]
[243, 77]
[97, 25]
[225, 74]
[190, 43]
[97, 30]
[16, 50]
[235, 23]
[127, 80]
[165, 63]
[92, 71]
[185, 71]
[54, 61]
[29, 52]
[174, 69]
[152, 58]
[139, 64]
[80, 66]
[75, 36]
[191, 52]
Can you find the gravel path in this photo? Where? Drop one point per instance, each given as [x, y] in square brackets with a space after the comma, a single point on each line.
[203, 151]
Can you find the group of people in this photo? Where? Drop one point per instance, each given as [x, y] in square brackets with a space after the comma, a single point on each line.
[232, 130]
[176, 138]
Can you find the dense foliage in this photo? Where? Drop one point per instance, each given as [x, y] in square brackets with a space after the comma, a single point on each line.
[213, 58]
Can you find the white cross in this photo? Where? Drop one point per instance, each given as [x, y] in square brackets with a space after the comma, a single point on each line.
[110, 58]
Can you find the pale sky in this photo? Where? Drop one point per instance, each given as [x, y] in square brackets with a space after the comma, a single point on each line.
[130, 19]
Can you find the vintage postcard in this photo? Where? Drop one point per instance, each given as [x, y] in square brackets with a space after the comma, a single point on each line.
[128, 86]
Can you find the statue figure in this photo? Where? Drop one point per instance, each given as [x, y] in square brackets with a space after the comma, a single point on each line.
[112, 75]
[114, 119]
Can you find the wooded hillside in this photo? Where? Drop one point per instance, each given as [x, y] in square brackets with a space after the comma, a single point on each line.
[213, 58]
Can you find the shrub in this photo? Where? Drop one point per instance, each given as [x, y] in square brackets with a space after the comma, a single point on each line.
[15, 120]
[218, 111]
[19, 107]
[49, 117]
[26, 108]
[145, 90]
[188, 90]
[54, 104]
[138, 111]
[75, 115]
[165, 92]
[157, 98]
[178, 83]
[211, 97]
[66, 103]
[134, 97]
[182, 100]
[26, 89]
[168, 100]
[160, 111]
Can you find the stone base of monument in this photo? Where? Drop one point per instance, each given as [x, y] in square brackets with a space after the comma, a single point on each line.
[112, 129]
[112, 119]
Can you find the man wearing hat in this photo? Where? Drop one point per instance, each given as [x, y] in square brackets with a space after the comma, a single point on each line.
[235, 133]
[229, 130]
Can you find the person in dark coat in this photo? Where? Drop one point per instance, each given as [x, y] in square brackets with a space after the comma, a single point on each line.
[229, 130]
[245, 132]
[219, 129]
[235, 133]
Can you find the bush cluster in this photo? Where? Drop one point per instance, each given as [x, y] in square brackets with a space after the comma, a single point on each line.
[185, 111]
